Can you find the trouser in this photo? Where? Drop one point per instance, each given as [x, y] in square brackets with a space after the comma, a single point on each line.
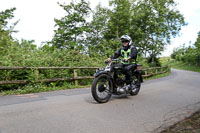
[128, 71]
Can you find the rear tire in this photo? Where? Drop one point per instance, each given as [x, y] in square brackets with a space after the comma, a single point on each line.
[137, 82]
[102, 85]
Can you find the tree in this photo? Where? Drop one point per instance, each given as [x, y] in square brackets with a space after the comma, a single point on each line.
[119, 23]
[5, 16]
[154, 23]
[5, 33]
[197, 50]
[197, 43]
[107, 26]
[5, 41]
[150, 23]
[98, 26]
[72, 27]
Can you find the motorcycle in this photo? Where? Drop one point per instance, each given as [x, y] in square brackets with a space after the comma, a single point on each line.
[111, 80]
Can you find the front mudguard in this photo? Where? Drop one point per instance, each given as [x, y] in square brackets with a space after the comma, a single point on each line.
[99, 73]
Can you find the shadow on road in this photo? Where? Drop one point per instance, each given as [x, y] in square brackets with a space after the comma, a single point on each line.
[114, 97]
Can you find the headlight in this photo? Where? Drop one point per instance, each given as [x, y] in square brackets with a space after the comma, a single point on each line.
[100, 69]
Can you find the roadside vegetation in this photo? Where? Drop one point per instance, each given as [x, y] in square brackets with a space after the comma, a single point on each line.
[78, 42]
[159, 75]
[188, 125]
[185, 66]
[187, 58]
[179, 64]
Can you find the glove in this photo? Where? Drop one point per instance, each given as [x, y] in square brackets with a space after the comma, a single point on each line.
[107, 60]
[126, 59]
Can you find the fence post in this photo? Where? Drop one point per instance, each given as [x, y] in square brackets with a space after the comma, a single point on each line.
[36, 74]
[166, 68]
[146, 72]
[75, 76]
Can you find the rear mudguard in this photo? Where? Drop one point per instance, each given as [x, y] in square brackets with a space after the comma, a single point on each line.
[141, 78]
[139, 75]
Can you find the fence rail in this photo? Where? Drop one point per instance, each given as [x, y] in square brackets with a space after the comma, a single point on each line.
[43, 68]
[148, 72]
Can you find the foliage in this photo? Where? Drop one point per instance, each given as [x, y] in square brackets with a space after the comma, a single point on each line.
[27, 55]
[72, 27]
[119, 22]
[95, 38]
[153, 24]
[189, 55]
[6, 39]
[154, 63]
[5, 16]
[150, 23]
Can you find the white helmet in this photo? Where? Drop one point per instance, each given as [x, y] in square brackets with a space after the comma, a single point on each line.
[126, 38]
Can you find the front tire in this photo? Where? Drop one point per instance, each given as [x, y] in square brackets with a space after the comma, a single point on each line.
[102, 88]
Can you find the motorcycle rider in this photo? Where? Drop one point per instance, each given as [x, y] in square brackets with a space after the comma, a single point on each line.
[128, 54]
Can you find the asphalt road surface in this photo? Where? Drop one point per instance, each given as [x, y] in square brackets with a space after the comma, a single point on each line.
[160, 103]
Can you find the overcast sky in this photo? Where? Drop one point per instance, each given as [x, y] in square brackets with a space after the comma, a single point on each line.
[37, 19]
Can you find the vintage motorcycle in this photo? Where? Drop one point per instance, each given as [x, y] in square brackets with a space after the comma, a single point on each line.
[111, 80]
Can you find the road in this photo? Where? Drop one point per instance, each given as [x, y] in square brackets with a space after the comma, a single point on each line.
[160, 103]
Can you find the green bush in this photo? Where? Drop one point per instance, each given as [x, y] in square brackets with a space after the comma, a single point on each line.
[26, 54]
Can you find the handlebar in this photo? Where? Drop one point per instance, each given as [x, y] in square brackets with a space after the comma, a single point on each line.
[112, 60]
[116, 59]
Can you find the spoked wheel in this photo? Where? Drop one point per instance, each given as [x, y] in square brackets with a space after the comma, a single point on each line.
[137, 83]
[102, 88]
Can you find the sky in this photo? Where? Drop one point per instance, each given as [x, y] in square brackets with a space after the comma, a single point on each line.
[36, 19]
[188, 35]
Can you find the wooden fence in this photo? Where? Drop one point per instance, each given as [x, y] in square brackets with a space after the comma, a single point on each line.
[148, 72]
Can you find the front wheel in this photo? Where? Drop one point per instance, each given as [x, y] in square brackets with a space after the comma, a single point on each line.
[102, 88]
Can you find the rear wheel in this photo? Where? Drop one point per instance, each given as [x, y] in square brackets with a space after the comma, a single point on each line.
[102, 88]
[137, 83]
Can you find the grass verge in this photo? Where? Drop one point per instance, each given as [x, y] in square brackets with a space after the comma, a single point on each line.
[37, 88]
[158, 76]
[185, 66]
[188, 125]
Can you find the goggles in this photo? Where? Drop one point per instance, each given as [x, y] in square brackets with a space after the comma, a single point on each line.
[125, 41]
